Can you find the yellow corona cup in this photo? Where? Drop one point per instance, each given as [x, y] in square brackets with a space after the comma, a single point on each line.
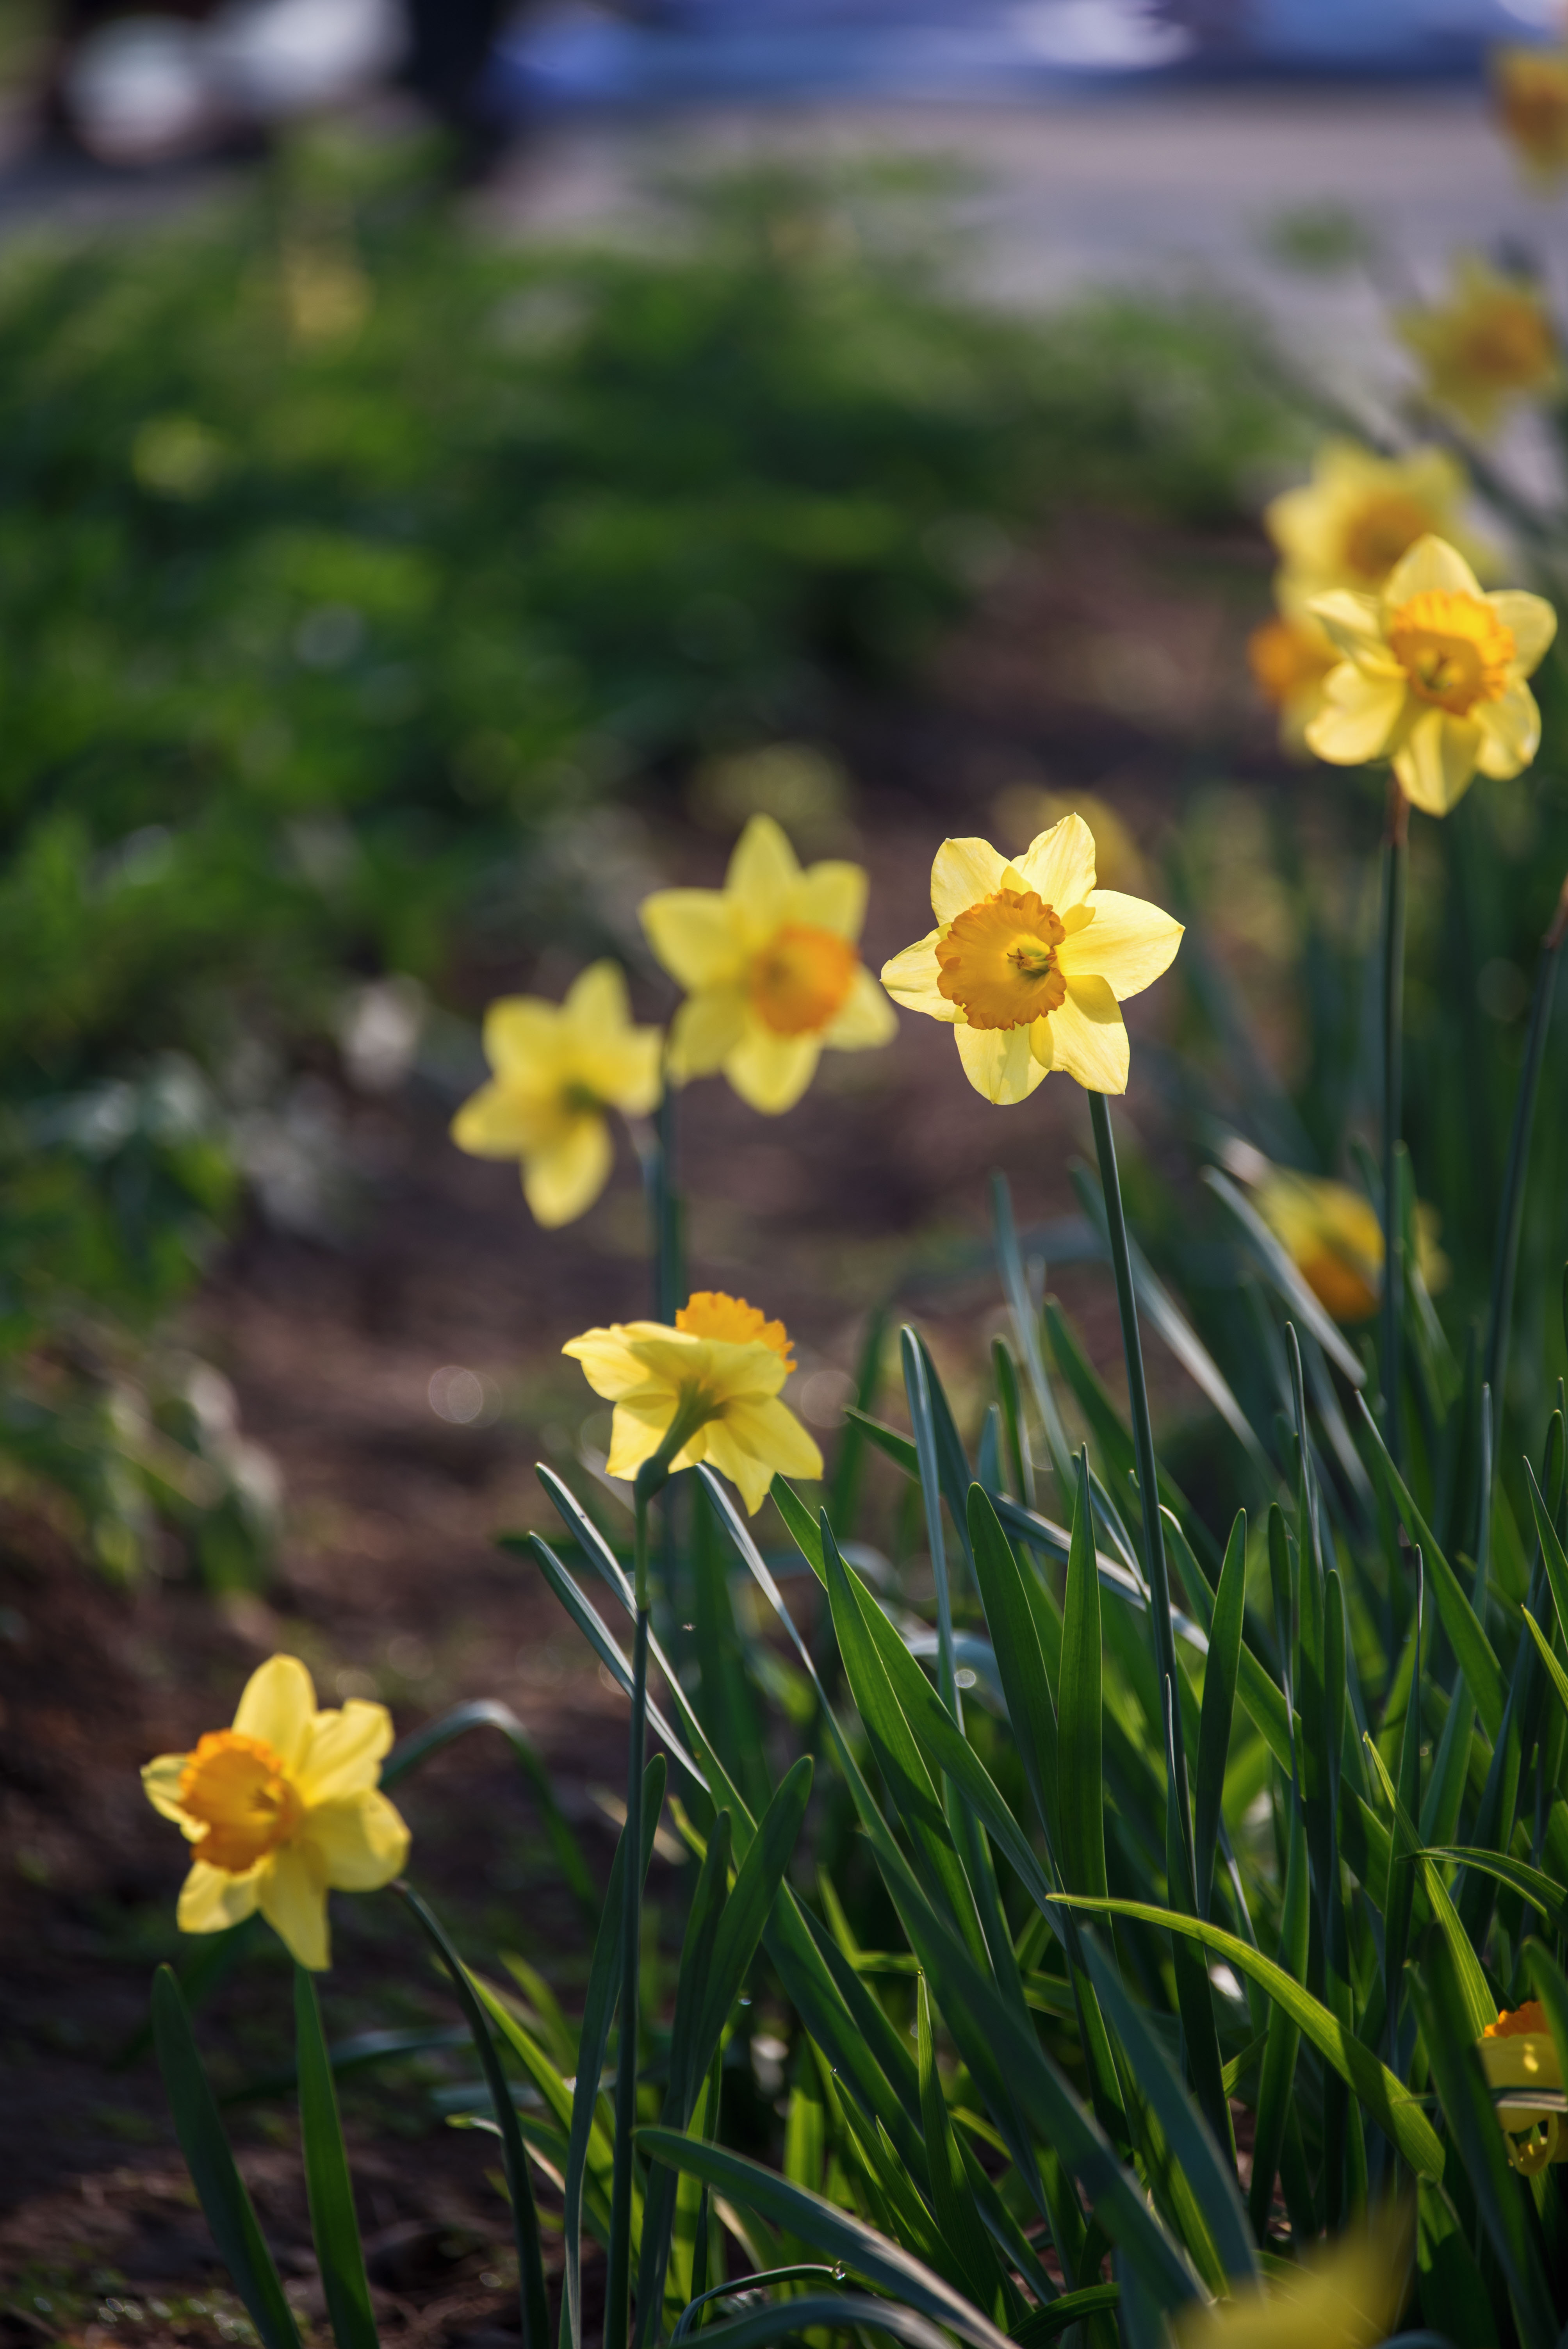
[771, 969]
[716, 1375]
[1518, 2051]
[281, 1808]
[559, 1069]
[1029, 963]
[1433, 677]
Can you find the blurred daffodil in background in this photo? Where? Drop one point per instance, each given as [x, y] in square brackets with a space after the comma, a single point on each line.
[713, 1380]
[1433, 677]
[1030, 962]
[1025, 810]
[1346, 2296]
[282, 1807]
[1531, 89]
[1518, 2051]
[1289, 660]
[1490, 343]
[1332, 1234]
[560, 1069]
[771, 969]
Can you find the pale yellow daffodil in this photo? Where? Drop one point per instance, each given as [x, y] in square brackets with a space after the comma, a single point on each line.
[1345, 2296]
[1518, 2051]
[1289, 660]
[1433, 678]
[1350, 523]
[1490, 343]
[281, 1808]
[1029, 963]
[770, 968]
[1531, 87]
[559, 1069]
[717, 1372]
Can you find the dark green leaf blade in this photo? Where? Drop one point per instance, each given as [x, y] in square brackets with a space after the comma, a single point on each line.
[339, 2253]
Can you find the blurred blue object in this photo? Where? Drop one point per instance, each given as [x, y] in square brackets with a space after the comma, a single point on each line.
[573, 54]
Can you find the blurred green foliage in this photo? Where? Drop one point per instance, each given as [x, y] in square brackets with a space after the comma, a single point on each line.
[345, 550]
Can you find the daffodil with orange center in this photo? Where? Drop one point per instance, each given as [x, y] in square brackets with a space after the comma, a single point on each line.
[1492, 342]
[1518, 2051]
[713, 1380]
[281, 1808]
[1029, 963]
[1331, 1234]
[1531, 89]
[1350, 523]
[771, 967]
[559, 1069]
[1433, 678]
[1289, 660]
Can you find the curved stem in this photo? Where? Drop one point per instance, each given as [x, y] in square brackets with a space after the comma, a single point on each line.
[1143, 1443]
[1511, 1214]
[1396, 859]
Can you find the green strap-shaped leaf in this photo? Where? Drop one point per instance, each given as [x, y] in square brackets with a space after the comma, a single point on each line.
[1479, 2005]
[835, 2232]
[1453, 2294]
[339, 2253]
[1399, 1885]
[953, 2203]
[1470, 1645]
[1079, 1755]
[487, 1713]
[1542, 1891]
[1389, 2104]
[1551, 1550]
[850, 2313]
[1554, 1672]
[1277, 1261]
[1219, 1709]
[1015, 1637]
[608, 1651]
[220, 2190]
[1043, 2324]
[1500, 2197]
[800, 1526]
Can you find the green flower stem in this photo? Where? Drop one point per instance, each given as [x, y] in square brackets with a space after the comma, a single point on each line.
[1510, 1215]
[1396, 860]
[665, 1217]
[1143, 1442]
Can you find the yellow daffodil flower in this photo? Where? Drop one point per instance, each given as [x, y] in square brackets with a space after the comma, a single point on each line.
[1289, 660]
[281, 1808]
[718, 1374]
[559, 1069]
[770, 969]
[1350, 523]
[1518, 2051]
[1531, 88]
[1490, 343]
[1029, 963]
[1433, 678]
[1331, 1234]
[1347, 2296]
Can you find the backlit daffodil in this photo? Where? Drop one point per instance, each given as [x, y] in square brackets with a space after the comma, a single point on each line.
[1490, 343]
[1331, 1234]
[770, 968]
[1518, 2051]
[714, 1379]
[1030, 962]
[1350, 523]
[559, 1069]
[1433, 678]
[281, 1808]
[1346, 2295]
[1532, 90]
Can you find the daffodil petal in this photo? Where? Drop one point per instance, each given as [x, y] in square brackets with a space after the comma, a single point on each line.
[1089, 1039]
[911, 980]
[770, 1073]
[504, 1120]
[1058, 865]
[278, 1705]
[1511, 728]
[519, 1031]
[752, 1477]
[1436, 763]
[865, 1019]
[211, 1900]
[1430, 564]
[1353, 623]
[965, 871]
[1041, 1048]
[695, 936]
[998, 1063]
[763, 876]
[561, 1181]
[609, 1364]
[596, 997]
[832, 896]
[636, 1431]
[160, 1784]
[1529, 620]
[624, 1070]
[1129, 943]
[357, 1846]
[291, 1897]
[1357, 718]
[709, 1023]
[769, 1430]
[344, 1757]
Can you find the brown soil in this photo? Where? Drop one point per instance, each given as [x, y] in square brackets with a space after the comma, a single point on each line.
[389, 1581]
